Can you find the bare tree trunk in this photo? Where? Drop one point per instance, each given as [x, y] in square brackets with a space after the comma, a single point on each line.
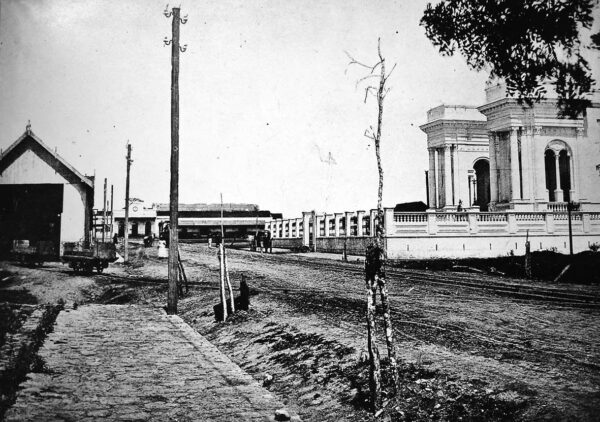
[231, 299]
[380, 238]
[376, 253]
[374, 362]
[222, 281]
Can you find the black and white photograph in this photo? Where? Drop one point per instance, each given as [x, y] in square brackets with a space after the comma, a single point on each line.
[286, 210]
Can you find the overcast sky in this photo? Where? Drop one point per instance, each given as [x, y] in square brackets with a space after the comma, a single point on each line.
[265, 96]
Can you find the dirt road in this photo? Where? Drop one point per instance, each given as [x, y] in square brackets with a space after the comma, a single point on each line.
[466, 353]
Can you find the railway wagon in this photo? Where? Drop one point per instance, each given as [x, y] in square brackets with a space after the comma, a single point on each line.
[86, 258]
[33, 252]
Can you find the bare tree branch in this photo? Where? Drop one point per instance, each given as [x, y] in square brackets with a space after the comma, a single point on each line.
[389, 74]
[364, 78]
[369, 89]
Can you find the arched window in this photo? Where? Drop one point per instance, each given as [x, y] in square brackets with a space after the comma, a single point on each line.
[559, 175]
[481, 191]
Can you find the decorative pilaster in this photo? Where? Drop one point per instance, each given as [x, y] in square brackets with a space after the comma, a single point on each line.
[448, 176]
[576, 159]
[515, 180]
[437, 178]
[493, 168]
[432, 179]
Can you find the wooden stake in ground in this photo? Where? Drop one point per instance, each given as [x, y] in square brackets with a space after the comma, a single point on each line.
[231, 299]
[222, 282]
[376, 253]
[183, 275]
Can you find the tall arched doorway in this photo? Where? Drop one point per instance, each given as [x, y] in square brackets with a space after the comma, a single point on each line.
[482, 187]
[558, 167]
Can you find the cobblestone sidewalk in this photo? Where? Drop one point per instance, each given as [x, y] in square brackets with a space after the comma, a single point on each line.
[127, 362]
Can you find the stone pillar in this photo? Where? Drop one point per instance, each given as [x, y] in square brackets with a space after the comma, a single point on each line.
[585, 222]
[338, 217]
[432, 179]
[372, 216]
[541, 193]
[558, 193]
[514, 165]
[306, 228]
[360, 215]
[298, 224]
[318, 219]
[529, 169]
[348, 217]
[431, 222]
[438, 179]
[577, 160]
[473, 226]
[550, 222]
[512, 222]
[315, 233]
[448, 177]
[388, 219]
[572, 190]
[327, 218]
[278, 227]
[493, 168]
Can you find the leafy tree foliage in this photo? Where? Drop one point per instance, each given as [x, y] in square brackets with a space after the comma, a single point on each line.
[525, 42]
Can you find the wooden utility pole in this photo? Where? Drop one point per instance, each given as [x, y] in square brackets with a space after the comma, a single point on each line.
[174, 199]
[104, 213]
[126, 240]
[112, 214]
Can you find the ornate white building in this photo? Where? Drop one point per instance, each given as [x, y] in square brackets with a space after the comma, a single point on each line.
[505, 155]
[511, 167]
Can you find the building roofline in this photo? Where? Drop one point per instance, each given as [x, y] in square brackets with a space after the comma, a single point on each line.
[29, 134]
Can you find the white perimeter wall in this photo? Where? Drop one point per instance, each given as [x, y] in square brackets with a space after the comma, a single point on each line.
[481, 247]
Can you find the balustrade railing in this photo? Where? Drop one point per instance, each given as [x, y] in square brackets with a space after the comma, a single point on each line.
[530, 216]
[557, 206]
[491, 217]
[410, 217]
[447, 217]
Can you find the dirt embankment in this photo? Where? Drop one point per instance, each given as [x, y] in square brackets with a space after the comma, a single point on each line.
[465, 354]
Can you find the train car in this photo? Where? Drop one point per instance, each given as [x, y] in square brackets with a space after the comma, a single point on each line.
[34, 252]
[85, 259]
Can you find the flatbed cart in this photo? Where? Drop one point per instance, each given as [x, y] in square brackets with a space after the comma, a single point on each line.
[33, 253]
[86, 259]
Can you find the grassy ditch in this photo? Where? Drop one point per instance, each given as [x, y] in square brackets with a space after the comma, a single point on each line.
[20, 345]
[545, 265]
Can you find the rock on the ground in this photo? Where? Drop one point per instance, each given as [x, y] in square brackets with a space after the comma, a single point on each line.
[282, 415]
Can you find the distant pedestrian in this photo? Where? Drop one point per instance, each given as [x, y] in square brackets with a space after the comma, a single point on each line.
[267, 242]
[460, 207]
[115, 239]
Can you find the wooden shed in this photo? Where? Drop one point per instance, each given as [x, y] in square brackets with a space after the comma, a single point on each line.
[42, 197]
